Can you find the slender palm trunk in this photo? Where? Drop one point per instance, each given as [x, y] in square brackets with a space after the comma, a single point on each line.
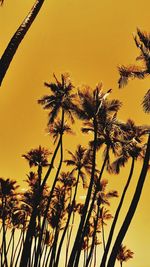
[90, 210]
[87, 201]
[103, 235]
[4, 250]
[93, 238]
[44, 257]
[11, 237]
[12, 252]
[132, 208]
[32, 224]
[103, 262]
[95, 255]
[19, 251]
[17, 38]
[48, 257]
[38, 252]
[67, 224]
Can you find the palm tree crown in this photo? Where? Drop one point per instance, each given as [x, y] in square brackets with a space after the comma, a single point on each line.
[37, 157]
[124, 254]
[61, 97]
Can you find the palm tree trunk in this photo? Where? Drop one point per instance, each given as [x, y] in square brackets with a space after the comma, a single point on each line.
[12, 252]
[87, 201]
[17, 38]
[67, 224]
[90, 210]
[4, 250]
[31, 227]
[132, 208]
[93, 237]
[103, 262]
[11, 237]
[21, 244]
[38, 252]
[48, 256]
[103, 235]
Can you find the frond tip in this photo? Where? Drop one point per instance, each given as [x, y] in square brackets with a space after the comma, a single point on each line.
[146, 102]
[130, 72]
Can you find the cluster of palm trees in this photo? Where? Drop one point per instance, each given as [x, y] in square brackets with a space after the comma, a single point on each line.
[47, 225]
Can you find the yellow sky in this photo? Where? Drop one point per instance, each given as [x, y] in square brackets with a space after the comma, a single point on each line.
[88, 38]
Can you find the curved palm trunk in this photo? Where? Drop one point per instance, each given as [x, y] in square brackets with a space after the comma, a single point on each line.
[132, 208]
[17, 38]
[32, 224]
[67, 224]
[31, 228]
[50, 196]
[90, 210]
[87, 201]
[103, 262]
[38, 252]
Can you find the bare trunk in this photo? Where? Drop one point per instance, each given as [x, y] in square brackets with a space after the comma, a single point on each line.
[103, 263]
[17, 38]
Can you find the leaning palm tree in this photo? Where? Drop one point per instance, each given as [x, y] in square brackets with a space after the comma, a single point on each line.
[143, 44]
[17, 38]
[124, 255]
[132, 147]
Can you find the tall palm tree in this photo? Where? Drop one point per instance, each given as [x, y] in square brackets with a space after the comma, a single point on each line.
[124, 255]
[133, 151]
[80, 161]
[101, 214]
[143, 44]
[91, 106]
[60, 100]
[107, 131]
[17, 38]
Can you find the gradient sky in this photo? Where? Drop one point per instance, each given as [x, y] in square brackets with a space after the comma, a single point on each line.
[88, 39]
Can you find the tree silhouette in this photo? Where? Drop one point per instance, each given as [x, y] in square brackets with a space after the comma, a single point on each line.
[17, 38]
[124, 255]
[143, 44]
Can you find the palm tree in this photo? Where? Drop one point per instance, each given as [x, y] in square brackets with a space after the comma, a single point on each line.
[124, 255]
[59, 101]
[101, 214]
[130, 149]
[92, 108]
[38, 157]
[142, 41]
[17, 38]
[108, 131]
[7, 193]
[80, 161]
[143, 44]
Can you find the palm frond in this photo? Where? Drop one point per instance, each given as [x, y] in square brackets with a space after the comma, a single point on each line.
[130, 72]
[144, 37]
[146, 102]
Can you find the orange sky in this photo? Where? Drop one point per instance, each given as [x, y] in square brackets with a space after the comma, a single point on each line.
[88, 39]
